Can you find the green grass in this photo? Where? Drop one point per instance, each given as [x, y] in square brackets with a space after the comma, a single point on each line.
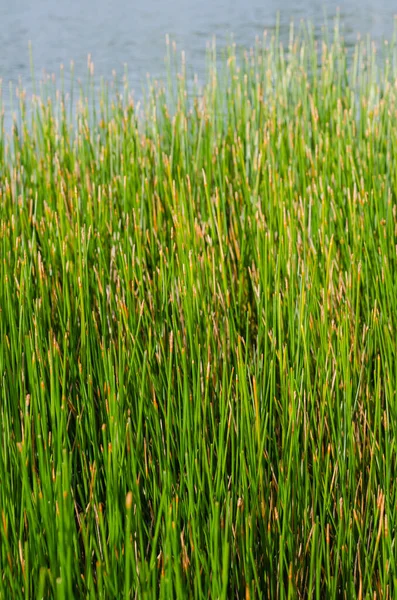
[198, 312]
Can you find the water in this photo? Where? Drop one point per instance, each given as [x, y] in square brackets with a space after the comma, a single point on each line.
[119, 32]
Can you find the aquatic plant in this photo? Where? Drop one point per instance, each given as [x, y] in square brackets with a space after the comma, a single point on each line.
[198, 332]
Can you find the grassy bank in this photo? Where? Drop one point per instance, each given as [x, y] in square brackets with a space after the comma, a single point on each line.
[198, 334]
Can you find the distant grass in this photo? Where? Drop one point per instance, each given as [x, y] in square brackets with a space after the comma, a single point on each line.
[198, 312]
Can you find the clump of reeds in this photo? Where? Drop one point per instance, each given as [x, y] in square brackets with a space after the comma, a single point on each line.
[198, 315]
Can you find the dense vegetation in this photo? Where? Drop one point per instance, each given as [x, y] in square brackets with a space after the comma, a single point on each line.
[198, 311]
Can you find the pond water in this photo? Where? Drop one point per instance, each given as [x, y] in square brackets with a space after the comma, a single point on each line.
[119, 32]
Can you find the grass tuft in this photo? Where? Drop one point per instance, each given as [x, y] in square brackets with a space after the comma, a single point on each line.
[198, 317]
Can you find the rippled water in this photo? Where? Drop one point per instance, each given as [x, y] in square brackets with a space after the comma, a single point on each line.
[116, 32]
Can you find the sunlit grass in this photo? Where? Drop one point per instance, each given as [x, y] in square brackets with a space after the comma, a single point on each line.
[198, 310]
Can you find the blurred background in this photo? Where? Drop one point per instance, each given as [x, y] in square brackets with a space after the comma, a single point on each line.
[132, 32]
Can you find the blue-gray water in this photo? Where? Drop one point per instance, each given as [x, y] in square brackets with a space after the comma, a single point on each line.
[119, 32]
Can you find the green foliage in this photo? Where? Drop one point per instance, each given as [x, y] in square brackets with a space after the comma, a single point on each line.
[198, 316]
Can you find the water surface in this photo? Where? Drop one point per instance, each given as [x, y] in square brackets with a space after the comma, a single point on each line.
[119, 32]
